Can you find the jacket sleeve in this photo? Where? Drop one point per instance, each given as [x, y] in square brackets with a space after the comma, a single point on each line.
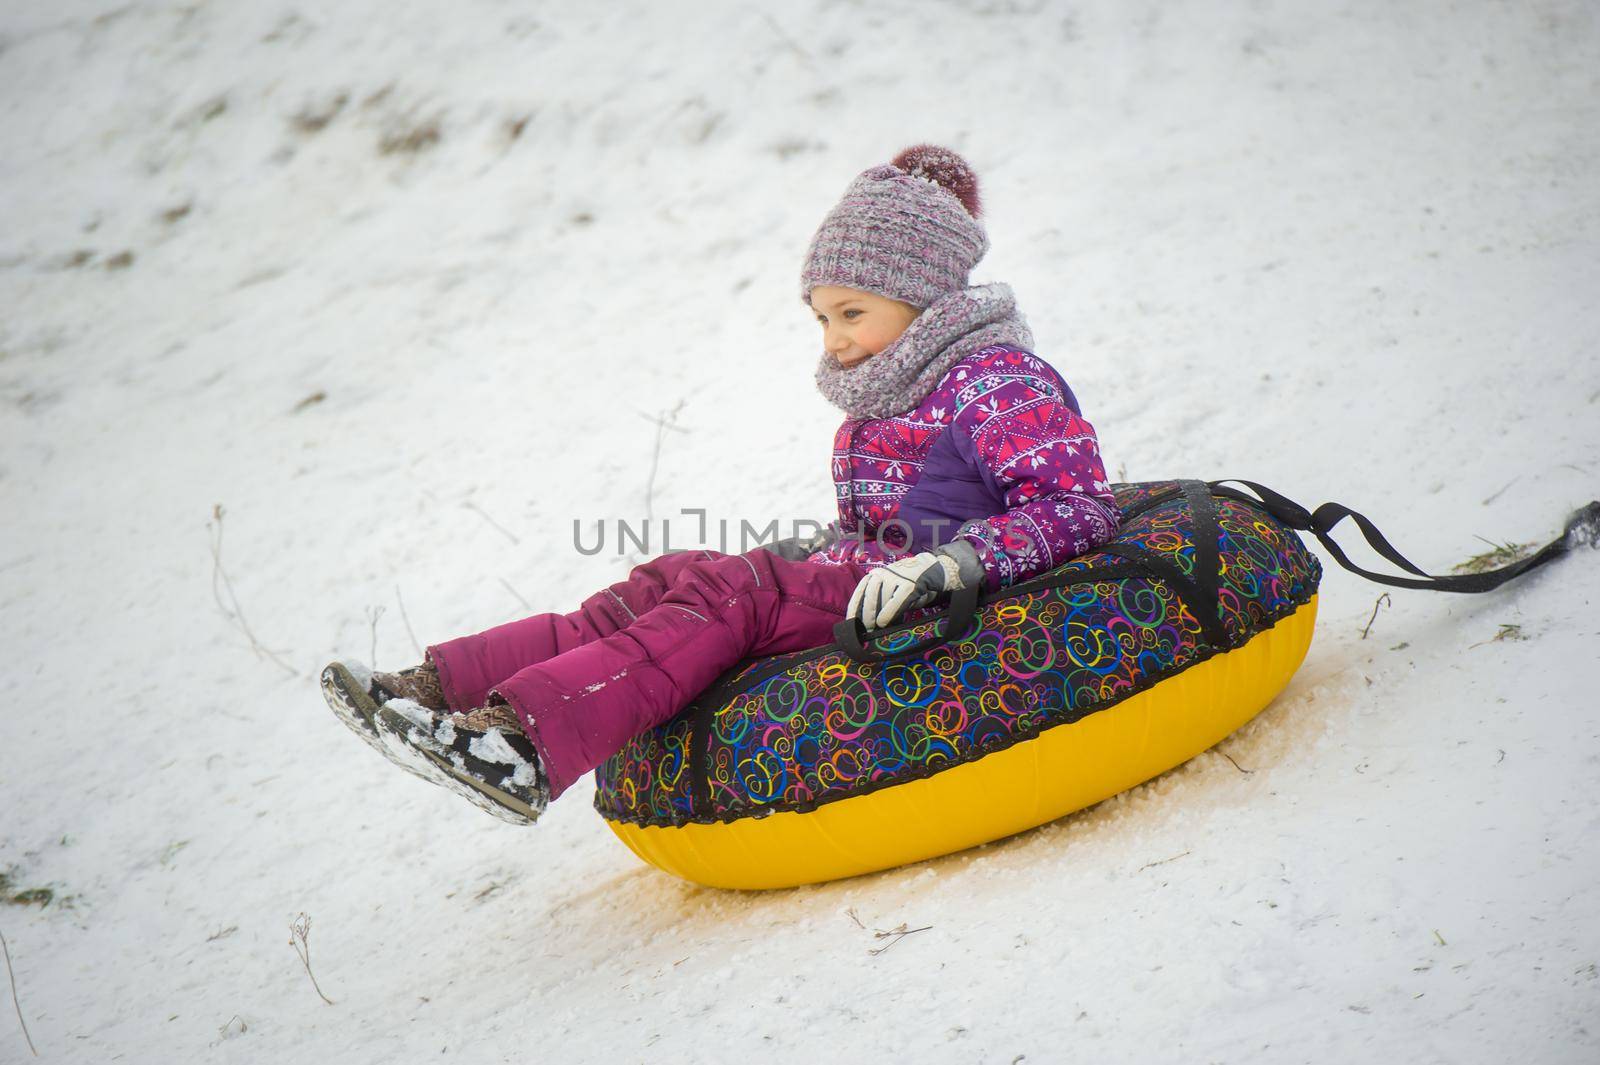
[800, 548]
[1043, 459]
[861, 548]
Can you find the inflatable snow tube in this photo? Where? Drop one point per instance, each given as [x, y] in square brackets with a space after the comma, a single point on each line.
[1006, 711]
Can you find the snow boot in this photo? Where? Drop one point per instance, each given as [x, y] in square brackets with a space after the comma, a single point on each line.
[482, 755]
[355, 700]
[353, 697]
[420, 684]
[355, 692]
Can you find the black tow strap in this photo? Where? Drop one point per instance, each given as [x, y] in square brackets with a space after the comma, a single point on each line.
[1197, 589]
[1582, 527]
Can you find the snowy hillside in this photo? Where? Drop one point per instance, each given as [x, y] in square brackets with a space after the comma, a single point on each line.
[405, 288]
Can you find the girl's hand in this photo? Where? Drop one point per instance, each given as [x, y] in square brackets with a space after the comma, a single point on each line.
[903, 585]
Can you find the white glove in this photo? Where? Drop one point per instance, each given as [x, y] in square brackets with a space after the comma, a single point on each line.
[905, 585]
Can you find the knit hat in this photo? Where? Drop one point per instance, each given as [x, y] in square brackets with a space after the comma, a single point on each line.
[908, 231]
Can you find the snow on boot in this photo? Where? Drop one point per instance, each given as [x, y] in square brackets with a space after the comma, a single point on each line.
[355, 699]
[355, 692]
[483, 756]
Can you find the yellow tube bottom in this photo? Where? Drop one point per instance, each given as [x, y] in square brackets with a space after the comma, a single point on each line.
[1063, 769]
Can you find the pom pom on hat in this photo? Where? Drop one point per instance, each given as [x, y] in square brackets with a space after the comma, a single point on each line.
[907, 230]
[945, 169]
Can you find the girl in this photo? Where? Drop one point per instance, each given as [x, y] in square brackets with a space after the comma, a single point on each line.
[962, 460]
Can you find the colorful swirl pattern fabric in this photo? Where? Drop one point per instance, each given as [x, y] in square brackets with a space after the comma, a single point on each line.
[799, 730]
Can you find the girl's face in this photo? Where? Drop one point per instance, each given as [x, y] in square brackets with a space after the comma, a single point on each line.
[858, 325]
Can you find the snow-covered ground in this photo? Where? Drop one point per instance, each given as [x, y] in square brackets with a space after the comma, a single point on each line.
[405, 288]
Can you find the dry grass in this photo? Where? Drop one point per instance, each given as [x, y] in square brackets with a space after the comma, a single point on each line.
[410, 137]
[310, 120]
[1497, 556]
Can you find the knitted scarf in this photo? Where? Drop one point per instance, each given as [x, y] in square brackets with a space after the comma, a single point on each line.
[899, 377]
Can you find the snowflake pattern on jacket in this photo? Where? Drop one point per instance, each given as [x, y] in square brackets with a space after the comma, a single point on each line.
[996, 454]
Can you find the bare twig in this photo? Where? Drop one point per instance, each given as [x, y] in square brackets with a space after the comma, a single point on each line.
[790, 42]
[1507, 632]
[893, 935]
[1164, 861]
[470, 505]
[1502, 491]
[1380, 601]
[300, 940]
[221, 583]
[1236, 765]
[899, 932]
[669, 419]
[14, 1002]
[407, 620]
[373, 614]
[666, 421]
[515, 594]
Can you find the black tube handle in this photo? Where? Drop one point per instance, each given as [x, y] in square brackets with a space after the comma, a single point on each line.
[856, 641]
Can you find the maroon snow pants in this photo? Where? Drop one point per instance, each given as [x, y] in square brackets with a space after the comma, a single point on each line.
[636, 653]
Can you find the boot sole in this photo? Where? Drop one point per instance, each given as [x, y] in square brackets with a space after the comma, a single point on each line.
[352, 704]
[395, 732]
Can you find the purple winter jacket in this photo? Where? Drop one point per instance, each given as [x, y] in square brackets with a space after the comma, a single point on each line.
[997, 454]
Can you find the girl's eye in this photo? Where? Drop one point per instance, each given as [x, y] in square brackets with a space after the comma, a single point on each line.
[852, 313]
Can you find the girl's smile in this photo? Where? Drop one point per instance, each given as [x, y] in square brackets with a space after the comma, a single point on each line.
[857, 325]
